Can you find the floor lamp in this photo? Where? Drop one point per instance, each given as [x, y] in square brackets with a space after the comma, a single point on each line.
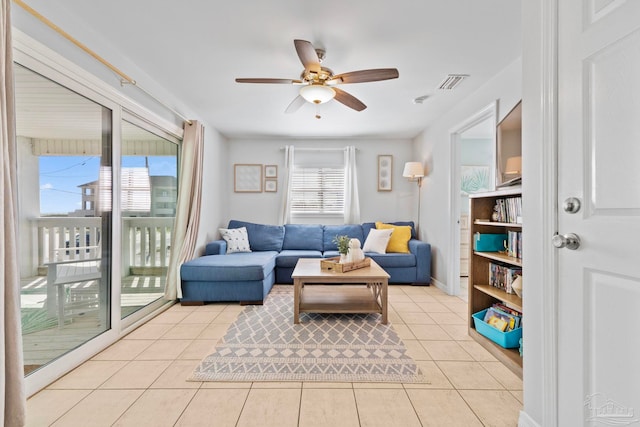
[414, 171]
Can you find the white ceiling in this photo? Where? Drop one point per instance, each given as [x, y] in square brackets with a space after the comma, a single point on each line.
[195, 49]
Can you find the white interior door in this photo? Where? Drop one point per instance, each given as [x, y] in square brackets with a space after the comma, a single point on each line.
[599, 163]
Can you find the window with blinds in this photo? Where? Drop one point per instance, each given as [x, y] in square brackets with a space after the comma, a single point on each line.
[317, 190]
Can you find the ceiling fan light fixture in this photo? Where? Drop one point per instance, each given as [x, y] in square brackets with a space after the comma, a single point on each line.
[317, 93]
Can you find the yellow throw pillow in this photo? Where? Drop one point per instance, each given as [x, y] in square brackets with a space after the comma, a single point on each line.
[400, 237]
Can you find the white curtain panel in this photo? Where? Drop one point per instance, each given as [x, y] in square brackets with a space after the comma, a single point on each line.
[187, 221]
[285, 211]
[351, 198]
[12, 375]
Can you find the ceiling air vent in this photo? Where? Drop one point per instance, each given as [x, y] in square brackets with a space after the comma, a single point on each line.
[452, 80]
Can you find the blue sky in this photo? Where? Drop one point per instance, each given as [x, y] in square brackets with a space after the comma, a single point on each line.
[60, 177]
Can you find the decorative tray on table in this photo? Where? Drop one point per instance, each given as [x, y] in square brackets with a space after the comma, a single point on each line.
[334, 265]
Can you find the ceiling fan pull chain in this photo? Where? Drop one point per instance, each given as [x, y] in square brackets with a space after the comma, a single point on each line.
[318, 116]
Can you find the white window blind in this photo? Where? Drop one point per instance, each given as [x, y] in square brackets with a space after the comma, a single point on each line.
[317, 190]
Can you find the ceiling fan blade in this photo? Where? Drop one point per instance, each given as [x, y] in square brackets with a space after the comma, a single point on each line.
[349, 100]
[278, 81]
[362, 76]
[295, 105]
[307, 54]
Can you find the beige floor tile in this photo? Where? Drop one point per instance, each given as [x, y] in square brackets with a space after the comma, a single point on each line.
[171, 317]
[216, 306]
[477, 351]
[446, 350]
[469, 376]
[137, 374]
[508, 379]
[457, 332]
[416, 351]
[377, 385]
[149, 331]
[156, 408]
[182, 308]
[100, 408]
[458, 307]
[394, 318]
[403, 331]
[442, 408]
[417, 318]
[123, 350]
[45, 407]
[185, 331]
[164, 350]
[399, 298]
[267, 408]
[314, 384]
[494, 408]
[176, 374]
[277, 384]
[214, 331]
[448, 319]
[198, 349]
[382, 407]
[226, 384]
[406, 307]
[518, 394]
[214, 407]
[226, 316]
[324, 407]
[89, 375]
[422, 297]
[428, 332]
[198, 316]
[434, 375]
[433, 307]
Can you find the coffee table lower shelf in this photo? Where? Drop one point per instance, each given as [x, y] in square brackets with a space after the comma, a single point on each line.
[338, 299]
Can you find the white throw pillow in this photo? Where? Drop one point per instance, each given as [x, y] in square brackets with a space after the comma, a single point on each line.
[237, 239]
[377, 240]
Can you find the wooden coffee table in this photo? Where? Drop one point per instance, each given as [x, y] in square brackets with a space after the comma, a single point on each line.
[358, 291]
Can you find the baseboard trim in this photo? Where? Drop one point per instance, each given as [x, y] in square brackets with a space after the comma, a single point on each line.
[440, 285]
[524, 420]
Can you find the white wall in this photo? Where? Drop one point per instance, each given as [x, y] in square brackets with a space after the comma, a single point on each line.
[433, 148]
[396, 205]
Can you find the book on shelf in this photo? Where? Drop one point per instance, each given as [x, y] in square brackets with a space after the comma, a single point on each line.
[502, 276]
[509, 210]
[514, 244]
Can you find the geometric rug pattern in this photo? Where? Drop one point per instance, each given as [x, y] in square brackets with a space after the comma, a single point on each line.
[263, 344]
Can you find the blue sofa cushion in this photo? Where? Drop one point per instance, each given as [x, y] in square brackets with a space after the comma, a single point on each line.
[390, 260]
[369, 225]
[289, 257]
[331, 231]
[262, 237]
[303, 236]
[236, 267]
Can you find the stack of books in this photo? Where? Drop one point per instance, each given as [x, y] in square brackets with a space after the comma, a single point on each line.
[502, 276]
[503, 318]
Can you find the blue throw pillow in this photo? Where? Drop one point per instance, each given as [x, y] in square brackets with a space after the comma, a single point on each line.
[262, 237]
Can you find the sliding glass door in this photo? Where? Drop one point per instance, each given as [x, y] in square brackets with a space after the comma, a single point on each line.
[148, 196]
[65, 211]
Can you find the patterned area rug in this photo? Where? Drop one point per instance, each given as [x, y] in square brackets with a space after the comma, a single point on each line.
[263, 344]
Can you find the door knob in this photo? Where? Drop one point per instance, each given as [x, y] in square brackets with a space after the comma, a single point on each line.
[570, 241]
[571, 205]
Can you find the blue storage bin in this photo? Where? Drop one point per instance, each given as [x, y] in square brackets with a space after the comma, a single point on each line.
[509, 339]
[489, 242]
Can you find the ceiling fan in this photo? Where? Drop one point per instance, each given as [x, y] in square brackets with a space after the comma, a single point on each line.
[319, 83]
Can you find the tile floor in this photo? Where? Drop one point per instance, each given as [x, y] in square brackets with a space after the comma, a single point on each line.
[140, 380]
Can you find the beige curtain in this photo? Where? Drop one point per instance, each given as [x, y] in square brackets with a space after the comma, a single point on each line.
[185, 228]
[12, 376]
[285, 206]
[351, 197]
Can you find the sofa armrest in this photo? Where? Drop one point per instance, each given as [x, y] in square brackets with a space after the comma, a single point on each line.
[217, 247]
[422, 251]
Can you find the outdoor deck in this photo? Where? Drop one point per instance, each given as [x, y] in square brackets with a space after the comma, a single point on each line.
[44, 340]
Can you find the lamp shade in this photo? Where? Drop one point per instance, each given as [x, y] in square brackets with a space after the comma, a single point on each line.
[317, 93]
[413, 170]
[514, 165]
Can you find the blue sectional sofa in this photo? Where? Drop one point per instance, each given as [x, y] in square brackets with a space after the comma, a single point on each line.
[248, 277]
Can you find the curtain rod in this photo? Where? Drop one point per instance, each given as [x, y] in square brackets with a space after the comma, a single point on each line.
[125, 78]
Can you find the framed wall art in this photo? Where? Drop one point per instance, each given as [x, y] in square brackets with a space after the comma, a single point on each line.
[385, 172]
[270, 171]
[247, 178]
[270, 185]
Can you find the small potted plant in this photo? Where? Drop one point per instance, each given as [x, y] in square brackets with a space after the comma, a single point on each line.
[343, 246]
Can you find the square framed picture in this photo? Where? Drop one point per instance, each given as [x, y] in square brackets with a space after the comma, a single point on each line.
[385, 172]
[270, 171]
[247, 178]
[270, 185]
